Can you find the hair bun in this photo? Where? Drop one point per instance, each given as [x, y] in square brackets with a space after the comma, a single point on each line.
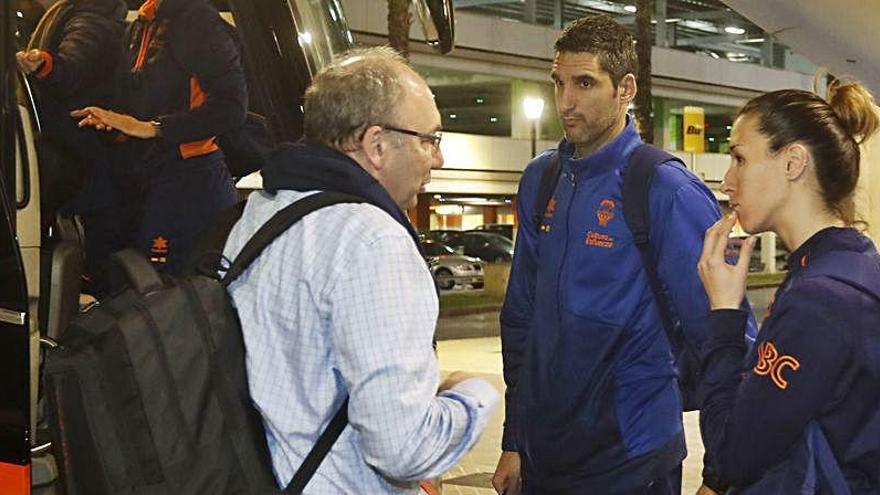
[855, 108]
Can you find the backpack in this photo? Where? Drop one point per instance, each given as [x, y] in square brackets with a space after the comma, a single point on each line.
[636, 186]
[148, 390]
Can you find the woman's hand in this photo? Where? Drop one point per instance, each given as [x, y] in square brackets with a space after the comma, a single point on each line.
[724, 283]
[107, 120]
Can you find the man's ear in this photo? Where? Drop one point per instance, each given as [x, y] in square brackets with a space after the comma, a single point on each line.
[626, 88]
[797, 157]
[374, 147]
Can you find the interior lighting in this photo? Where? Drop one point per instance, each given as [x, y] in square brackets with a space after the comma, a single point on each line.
[734, 30]
[305, 38]
[453, 116]
[449, 210]
[493, 119]
[480, 100]
[630, 8]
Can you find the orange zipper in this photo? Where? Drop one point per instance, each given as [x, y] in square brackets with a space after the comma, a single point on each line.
[142, 52]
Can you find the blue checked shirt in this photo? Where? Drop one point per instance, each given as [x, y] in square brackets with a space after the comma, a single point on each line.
[342, 304]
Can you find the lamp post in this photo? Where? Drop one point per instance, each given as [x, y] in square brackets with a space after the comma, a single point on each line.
[533, 107]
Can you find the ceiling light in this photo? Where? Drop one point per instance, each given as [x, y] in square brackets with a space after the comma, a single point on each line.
[630, 8]
[734, 30]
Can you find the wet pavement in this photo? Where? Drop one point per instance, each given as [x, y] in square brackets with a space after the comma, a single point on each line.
[482, 356]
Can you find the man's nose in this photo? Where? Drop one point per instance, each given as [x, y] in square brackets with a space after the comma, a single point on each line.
[438, 158]
[564, 98]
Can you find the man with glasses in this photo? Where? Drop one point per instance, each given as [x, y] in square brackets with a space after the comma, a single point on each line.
[342, 305]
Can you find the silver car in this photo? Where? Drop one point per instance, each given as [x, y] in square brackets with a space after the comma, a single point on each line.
[450, 268]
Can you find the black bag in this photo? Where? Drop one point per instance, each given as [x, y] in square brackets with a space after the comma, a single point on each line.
[148, 392]
[636, 186]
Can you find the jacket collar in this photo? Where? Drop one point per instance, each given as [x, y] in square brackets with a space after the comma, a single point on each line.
[310, 167]
[824, 241]
[151, 9]
[614, 155]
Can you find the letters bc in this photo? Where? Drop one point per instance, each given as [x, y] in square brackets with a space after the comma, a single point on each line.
[771, 364]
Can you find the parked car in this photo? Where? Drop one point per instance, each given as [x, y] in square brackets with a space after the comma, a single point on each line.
[504, 229]
[450, 268]
[484, 245]
[440, 235]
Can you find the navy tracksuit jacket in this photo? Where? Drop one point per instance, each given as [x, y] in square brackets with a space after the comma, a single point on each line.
[817, 358]
[180, 67]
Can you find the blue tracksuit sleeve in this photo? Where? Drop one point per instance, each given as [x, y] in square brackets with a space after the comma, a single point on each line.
[519, 302]
[750, 418]
[682, 208]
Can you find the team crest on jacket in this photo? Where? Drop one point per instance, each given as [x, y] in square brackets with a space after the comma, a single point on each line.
[605, 213]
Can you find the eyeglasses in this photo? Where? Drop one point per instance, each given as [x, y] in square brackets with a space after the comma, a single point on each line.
[433, 138]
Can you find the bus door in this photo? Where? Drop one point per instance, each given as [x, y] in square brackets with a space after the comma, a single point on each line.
[15, 411]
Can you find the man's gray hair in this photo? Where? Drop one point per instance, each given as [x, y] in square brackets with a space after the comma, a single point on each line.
[359, 89]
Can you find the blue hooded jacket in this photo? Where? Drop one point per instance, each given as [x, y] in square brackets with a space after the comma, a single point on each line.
[592, 398]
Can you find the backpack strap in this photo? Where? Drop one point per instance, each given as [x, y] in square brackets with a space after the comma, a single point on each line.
[319, 451]
[278, 224]
[274, 227]
[826, 462]
[635, 192]
[135, 271]
[549, 179]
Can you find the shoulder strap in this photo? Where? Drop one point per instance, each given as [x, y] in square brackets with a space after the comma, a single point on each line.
[135, 271]
[278, 224]
[319, 451]
[545, 191]
[825, 460]
[636, 210]
[274, 227]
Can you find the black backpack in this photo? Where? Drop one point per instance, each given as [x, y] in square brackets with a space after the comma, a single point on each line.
[148, 390]
[637, 178]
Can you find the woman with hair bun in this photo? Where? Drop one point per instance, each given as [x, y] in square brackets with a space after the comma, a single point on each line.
[803, 414]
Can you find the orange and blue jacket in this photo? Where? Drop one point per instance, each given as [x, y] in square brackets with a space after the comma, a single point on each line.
[816, 359]
[182, 68]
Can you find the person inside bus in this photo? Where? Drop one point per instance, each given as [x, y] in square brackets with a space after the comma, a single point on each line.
[809, 395]
[180, 84]
[68, 66]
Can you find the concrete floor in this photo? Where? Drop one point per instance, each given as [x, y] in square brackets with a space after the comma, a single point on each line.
[482, 356]
[473, 475]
